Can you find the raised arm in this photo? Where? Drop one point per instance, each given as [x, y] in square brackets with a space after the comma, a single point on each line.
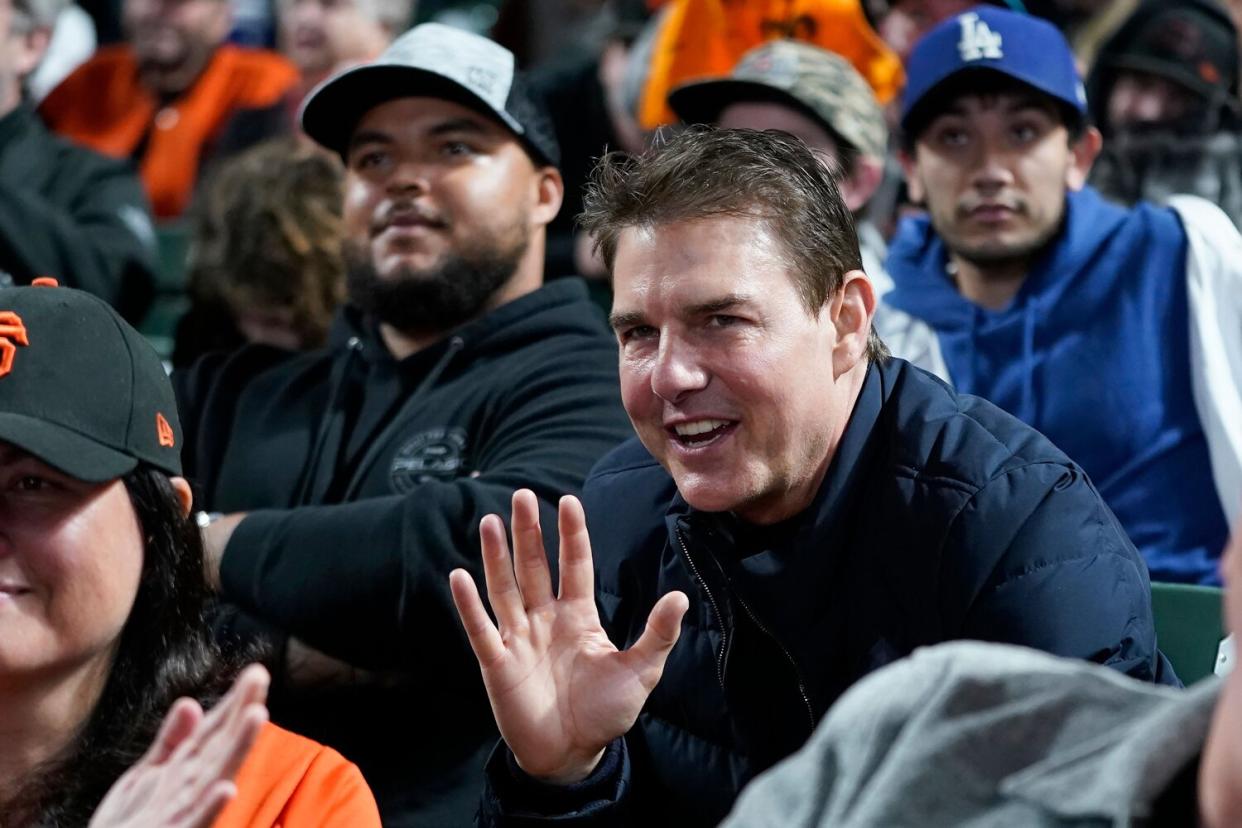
[559, 688]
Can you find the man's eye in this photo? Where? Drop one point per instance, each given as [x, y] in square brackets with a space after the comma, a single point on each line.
[637, 332]
[722, 320]
[457, 148]
[31, 483]
[952, 137]
[369, 160]
[1025, 133]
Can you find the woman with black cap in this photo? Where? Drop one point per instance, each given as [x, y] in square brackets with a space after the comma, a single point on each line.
[102, 603]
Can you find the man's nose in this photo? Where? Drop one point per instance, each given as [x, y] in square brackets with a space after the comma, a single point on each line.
[992, 169]
[409, 176]
[678, 372]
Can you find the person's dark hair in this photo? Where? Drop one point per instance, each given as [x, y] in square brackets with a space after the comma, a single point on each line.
[165, 651]
[982, 82]
[267, 233]
[702, 172]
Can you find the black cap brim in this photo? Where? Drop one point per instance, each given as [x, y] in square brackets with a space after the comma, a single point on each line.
[332, 111]
[64, 449]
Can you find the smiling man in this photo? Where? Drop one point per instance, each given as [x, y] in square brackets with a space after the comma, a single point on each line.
[452, 377]
[799, 508]
[1117, 333]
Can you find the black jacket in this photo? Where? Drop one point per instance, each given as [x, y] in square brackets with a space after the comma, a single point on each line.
[941, 517]
[73, 214]
[370, 477]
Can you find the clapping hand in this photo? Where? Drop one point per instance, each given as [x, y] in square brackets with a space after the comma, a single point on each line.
[558, 687]
[186, 777]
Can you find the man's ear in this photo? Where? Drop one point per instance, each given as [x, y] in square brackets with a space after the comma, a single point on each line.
[549, 193]
[852, 310]
[1083, 153]
[182, 487]
[909, 168]
[860, 185]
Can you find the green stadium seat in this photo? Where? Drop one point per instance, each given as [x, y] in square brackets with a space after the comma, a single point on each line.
[1189, 627]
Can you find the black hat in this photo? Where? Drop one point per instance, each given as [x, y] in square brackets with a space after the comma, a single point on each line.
[436, 61]
[1190, 42]
[80, 389]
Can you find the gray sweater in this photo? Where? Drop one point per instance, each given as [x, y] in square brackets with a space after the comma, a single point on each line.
[978, 734]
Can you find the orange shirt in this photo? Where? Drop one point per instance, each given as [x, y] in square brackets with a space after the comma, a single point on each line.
[103, 105]
[706, 38]
[288, 781]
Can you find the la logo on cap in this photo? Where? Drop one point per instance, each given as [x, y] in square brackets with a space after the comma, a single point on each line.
[11, 331]
[978, 40]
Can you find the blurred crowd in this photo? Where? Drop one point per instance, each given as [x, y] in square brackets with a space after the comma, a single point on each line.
[842, 328]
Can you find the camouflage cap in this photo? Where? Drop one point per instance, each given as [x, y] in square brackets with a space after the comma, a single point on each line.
[814, 80]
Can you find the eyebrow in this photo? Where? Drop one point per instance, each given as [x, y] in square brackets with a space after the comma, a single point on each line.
[626, 319]
[469, 125]
[368, 136]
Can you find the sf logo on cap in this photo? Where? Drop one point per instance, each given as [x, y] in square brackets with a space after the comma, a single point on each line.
[11, 331]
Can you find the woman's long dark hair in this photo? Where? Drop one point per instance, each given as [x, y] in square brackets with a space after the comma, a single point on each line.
[165, 651]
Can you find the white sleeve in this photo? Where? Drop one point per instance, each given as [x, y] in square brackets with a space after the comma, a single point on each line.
[1214, 290]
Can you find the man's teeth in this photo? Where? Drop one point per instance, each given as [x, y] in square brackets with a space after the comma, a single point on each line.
[698, 427]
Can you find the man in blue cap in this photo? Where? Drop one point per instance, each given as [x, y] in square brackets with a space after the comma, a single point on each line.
[1117, 333]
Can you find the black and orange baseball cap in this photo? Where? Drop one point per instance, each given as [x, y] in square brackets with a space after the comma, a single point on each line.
[79, 388]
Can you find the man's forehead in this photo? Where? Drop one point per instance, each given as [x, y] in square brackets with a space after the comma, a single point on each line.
[429, 112]
[692, 263]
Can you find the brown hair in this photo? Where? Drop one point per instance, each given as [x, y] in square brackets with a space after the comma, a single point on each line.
[703, 172]
[267, 232]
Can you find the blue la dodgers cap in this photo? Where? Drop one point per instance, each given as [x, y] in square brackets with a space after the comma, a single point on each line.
[1025, 48]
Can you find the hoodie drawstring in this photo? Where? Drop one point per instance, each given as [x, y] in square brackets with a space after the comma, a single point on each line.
[1029, 318]
[333, 420]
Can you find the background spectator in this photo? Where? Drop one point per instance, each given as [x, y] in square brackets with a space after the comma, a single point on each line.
[706, 38]
[71, 45]
[816, 96]
[583, 92]
[65, 212]
[174, 98]
[1164, 92]
[324, 36]
[353, 477]
[1028, 286]
[265, 258]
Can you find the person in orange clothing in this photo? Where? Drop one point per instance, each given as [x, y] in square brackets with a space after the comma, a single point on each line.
[231, 768]
[103, 599]
[174, 97]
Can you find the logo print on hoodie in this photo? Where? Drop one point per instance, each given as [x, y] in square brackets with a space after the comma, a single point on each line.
[436, 454]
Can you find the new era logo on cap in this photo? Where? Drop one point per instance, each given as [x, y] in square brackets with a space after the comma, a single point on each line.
[978, 40]
[12, 334]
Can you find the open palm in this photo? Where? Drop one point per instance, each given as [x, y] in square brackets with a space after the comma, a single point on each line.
[559, 689]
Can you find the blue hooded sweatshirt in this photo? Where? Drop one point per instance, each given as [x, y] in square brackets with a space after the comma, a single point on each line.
[1093, 351]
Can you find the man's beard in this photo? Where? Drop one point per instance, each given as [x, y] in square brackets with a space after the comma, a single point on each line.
[438, 298]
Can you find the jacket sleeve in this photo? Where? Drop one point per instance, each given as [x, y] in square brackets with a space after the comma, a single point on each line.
[1066, 580]
[99, 238]
[393, 553]
[1214, 296]
[511, 799]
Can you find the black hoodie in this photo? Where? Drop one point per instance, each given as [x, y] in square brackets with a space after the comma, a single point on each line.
[370, 476]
